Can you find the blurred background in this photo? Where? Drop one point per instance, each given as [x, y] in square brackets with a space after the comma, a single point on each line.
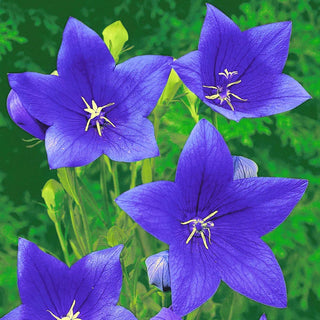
[285, 145]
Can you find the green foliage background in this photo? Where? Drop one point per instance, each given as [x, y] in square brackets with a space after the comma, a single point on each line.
[285, 145]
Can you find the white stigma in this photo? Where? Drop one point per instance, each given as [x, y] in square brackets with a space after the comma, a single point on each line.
[204, 226]
[228, 93]
[70, 315]
[94, 112]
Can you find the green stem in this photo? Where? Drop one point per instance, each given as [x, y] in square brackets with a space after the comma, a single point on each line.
[231, 308]
[80, 242]
[103, 186]
[62, 243]
[85, 224]
[149, 293]
[115, 179]
[214, 118]
[133, 168]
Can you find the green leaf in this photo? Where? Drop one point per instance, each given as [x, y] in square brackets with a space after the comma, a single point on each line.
[115, 236]
[115, 36]
[68, 178]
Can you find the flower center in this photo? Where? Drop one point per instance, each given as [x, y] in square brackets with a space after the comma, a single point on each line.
[97, 114]
[199, 227]
[70, 315]
[222, 91]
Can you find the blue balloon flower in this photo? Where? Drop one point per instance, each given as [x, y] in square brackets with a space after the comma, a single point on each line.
[214, 224]
[239, 74]
[94, 107]
[50, 290]
[158, 270]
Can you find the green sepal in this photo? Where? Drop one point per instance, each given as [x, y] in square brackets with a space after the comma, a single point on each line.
[115, 36]
[53, 195]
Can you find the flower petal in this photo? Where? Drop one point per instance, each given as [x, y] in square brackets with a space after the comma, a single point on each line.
[136, 84]
[22, 118]
[48, 98]
[269, 45]
[115, 313]
[72, 146]
[204, 168]
[188, 69]
[219, 39]
[255, 206]
[98, 277]
[166, 314]
[250, 268]
[158, 270]
[42, 280]
[15, 314]
[216, 29]
[263, 317]
[154, 206]
[131, 140]
[194, 277]
[243, 168]
[266, 95]
[84, 60]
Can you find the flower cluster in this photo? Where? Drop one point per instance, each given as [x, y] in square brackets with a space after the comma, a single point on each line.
[215, 212]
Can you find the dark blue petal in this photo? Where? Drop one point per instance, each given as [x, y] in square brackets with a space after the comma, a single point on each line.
[166, 314]
[204, 169]
[71, 146]
[84, 60]
[188, 69]
[243, 168]
[136, 84]
[15, 314]
[23, 312]
[158, 270]
[194, 276]
[250, 268]
[115, 313]
[268, 45]
[98, 277]
[155, 207]
[47, 98]
[42, 280]
[255, 206]
[131, 140]
[22, 118]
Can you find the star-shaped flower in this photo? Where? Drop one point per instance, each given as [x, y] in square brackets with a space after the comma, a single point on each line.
[94, 107]
[239, 74]
[50, 290]
[213, 223]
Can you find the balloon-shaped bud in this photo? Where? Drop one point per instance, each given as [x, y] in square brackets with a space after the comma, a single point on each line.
[244, 168]
[158, 270]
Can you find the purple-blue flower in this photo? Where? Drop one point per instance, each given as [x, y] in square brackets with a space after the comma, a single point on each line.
[158, 270]
[94, 107]
[49, 289]
[239, 74]
[263, 317]
[166, 314]
[213, 223]
[22, 118]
